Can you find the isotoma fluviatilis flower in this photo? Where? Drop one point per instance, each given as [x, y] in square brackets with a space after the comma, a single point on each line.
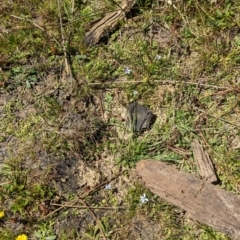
[107, 187]
[135, 92]
[127, 70]
[143, 198]
[158, 57]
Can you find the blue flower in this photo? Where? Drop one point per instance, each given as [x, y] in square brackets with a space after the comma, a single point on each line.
[143, 198]
[127, 70]
[135, 92]
[158, 57]
[108, 187]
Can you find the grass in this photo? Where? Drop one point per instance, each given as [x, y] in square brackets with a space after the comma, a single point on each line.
[184, 62]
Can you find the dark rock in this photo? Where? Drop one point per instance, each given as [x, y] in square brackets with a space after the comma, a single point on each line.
[139, 117]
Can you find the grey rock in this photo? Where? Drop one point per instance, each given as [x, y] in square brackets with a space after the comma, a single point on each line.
[139, 117]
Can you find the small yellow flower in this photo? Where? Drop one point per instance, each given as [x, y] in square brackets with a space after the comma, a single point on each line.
[1, 214]
[22, 237]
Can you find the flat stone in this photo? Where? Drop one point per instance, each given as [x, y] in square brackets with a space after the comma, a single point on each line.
[139, 117]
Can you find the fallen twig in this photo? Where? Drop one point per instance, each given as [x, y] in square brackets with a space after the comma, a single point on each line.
[22, 18]
[164, 82]
[86, 207]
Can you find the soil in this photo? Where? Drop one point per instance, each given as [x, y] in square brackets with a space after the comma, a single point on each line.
[81, 123]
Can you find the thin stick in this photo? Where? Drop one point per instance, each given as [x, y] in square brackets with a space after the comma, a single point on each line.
[82, 197]
[64, 43]
[28, 21]
[4, 183]
[164, 82]
[73, 6]
[56, 210]
[86, 207]
[217, 118]
[97, 220]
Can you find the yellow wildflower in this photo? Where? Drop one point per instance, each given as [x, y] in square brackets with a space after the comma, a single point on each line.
[1, 214]
[22, 237]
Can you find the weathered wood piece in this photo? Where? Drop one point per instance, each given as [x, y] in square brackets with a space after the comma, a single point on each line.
[206, 203]
[108, 23]
[205, 165]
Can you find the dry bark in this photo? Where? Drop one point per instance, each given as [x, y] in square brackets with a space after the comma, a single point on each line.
[206, 203]
[108, 23]
[205, 165]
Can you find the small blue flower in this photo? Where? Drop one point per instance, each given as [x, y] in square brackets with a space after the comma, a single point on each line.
[135, 92]
[127, 70]
[108, 187]
[143, 198]
[158, 57]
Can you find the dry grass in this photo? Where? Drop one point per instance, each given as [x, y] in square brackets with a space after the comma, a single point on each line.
[62, 132]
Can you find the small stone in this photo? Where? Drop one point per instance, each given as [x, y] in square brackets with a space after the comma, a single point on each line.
[139, 117]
